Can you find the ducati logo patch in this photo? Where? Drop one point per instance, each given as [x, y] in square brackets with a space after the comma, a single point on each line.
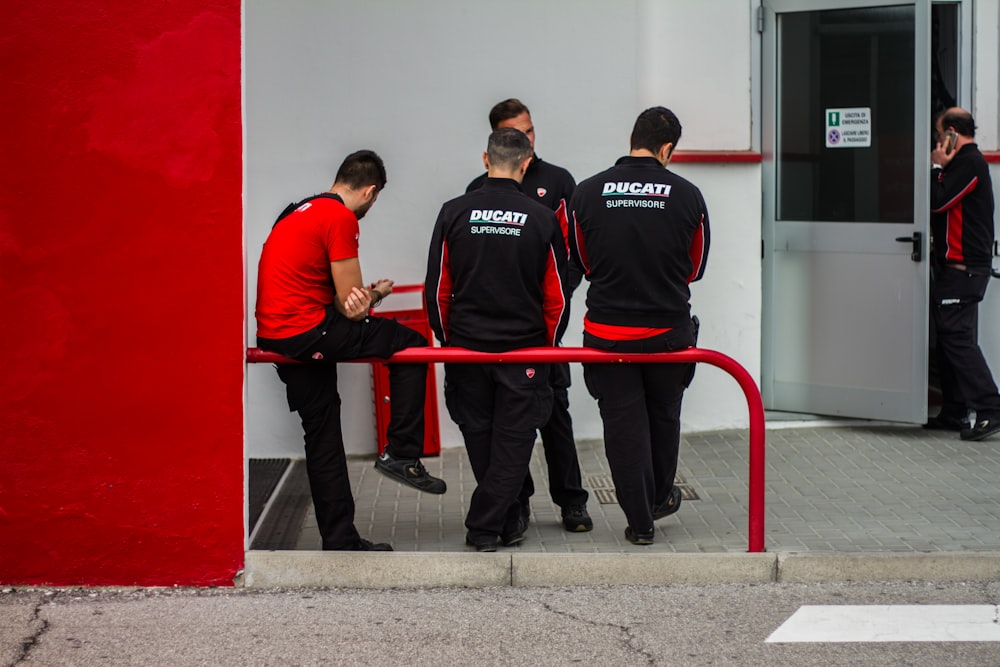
[530, 372]
[541, 192]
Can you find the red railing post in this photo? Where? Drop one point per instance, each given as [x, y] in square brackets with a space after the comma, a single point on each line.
[454, 355]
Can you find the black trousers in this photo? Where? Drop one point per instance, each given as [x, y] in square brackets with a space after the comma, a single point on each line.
[640, 406]
[312, 391]
[966, 381]
[559, 446]
[498, 408]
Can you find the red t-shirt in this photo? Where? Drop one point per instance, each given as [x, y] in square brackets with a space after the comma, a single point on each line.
[294, 284]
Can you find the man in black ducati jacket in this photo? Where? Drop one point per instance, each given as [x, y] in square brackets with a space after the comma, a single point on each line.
[962, 238]
[641, 235]
[552, 186]
[495, 275]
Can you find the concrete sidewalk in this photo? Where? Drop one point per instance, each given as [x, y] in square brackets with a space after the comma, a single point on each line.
[846, 501]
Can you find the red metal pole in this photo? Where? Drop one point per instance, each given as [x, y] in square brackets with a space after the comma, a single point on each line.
[455, 355]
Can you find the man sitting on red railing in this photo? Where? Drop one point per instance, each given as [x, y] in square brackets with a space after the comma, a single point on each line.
[312, 306]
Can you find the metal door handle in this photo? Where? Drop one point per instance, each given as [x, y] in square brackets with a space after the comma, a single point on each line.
[916, 240]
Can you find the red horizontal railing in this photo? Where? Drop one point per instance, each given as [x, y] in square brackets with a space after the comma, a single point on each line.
[455, 355]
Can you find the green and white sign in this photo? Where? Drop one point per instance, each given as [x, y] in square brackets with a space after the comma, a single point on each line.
[849, 127]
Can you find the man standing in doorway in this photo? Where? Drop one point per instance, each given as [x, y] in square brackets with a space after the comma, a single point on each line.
[312, 306]
[962, 238]
[551, 186]
[495, 283]
[641, 235]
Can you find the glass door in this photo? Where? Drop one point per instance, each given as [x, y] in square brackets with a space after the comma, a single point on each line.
[846, 132]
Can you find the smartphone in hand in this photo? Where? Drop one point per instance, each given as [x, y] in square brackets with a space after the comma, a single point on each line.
[950, 141]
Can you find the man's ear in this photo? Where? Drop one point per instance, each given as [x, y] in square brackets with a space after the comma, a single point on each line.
[525, 165]
[666, 150]
[486, 160]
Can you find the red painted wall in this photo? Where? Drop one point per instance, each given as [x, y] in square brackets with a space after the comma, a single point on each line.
[121, 243]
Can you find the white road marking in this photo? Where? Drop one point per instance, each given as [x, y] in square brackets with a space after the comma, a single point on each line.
[891, 623]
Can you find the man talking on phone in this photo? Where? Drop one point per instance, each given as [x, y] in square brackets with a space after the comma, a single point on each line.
[962, 237]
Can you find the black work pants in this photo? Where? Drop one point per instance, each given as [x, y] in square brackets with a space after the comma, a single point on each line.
[312, 391]
[498, 408]
[966, 381]
[640, 406]
[559, 446]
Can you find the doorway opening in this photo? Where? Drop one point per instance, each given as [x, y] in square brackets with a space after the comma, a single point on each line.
[945, 85]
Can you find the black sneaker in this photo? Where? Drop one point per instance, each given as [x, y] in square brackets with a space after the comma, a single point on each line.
[575, 519]
[411, 472]
[668, 506]
[638, 538]
[485, 546]
[947, 423]
[514, 534]
[982, 429]
[365, 545]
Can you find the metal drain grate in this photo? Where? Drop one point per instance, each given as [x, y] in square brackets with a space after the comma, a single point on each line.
[604, 489]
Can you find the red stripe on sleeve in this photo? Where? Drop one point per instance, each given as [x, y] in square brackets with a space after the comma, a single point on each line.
[444, 291]
[563, 223]
[697, 251]
[553, 299]
[951, 202]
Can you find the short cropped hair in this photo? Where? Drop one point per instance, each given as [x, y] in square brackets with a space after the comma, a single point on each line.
[506, 110]
[654, 127]
[361, 169]
[961, 120]
[508, 148]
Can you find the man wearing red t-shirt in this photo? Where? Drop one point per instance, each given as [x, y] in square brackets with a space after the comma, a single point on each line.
[312, 306]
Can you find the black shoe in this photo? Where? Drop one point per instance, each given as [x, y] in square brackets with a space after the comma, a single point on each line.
[514, 534]
[485, 546]
[576, 519]
[982, 429]
[668, 506]
[365, 545]
[638, 538]
[947, 423]
[411, 472]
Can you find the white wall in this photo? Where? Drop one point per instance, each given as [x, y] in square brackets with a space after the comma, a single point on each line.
[415, 82]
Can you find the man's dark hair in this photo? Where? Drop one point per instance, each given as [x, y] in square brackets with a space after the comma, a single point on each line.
[961, 120]
[508, 148]
[361, 169]
[654, 127]
[506, 110]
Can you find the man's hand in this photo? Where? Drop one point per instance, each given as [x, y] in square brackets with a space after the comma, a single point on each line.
[382, 288]
[940, 157]
[357, 303]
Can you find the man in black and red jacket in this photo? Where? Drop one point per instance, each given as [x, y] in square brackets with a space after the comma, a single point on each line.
[551, 186]
[962, 244]
[495, 275]
[641, 235]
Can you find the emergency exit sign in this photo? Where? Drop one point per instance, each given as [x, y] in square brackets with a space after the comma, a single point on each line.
[849, 128]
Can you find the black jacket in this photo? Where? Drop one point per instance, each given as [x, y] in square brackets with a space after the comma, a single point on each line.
[641, 235]
[552, 186]
[495, 271]
[962, 211]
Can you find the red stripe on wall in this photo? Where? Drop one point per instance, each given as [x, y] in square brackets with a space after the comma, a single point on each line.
[751, 156]
[716, 156]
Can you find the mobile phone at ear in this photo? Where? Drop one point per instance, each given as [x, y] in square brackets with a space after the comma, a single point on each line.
[950, 140]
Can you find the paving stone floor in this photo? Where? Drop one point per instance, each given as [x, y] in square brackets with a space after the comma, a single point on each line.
[846, 488]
